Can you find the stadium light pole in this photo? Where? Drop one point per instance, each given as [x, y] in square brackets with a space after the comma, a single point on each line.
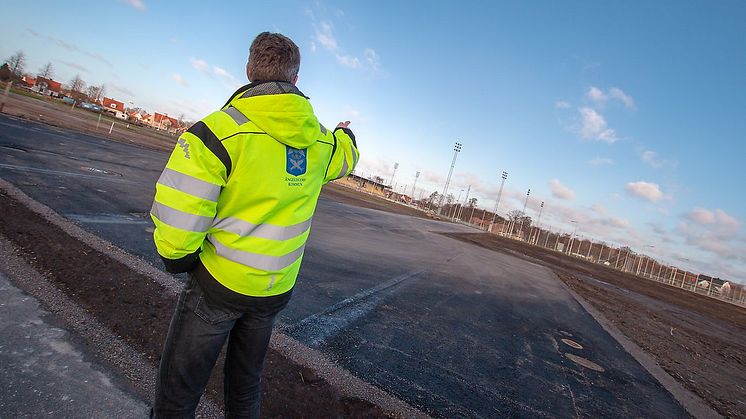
[456, 150]
[414, 185]
[538, 223]
[396, 166]
[523, 213]
[499, 194]
[572, 238]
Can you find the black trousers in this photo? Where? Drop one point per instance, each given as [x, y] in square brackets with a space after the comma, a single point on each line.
[196, 335]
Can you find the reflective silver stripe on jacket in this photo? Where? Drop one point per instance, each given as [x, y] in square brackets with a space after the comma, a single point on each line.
[344, 166]
[323, 129]
[189, 184]
[355, 156]
[236, 115]
[255, 260]
[265, 231]
[181, 219]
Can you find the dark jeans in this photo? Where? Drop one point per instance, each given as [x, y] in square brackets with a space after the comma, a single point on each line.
[197, 333]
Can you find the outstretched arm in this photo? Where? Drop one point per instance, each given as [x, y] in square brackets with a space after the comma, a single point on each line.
[345, 155]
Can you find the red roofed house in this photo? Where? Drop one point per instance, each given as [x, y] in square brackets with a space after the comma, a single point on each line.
[113, 104]
[29, 80]
[165, 122]
[45, 86]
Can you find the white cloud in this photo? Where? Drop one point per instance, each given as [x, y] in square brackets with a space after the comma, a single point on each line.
[222, 73]
[618, 94]
[594, 126]
[122, 89]
[325, 37]
[727, 221]
[561, 191]
[561, 104]
[178, 79]
[644, 190]
[137, 4]
[600, 161]
[596, 95]
[374, 61]
[701, 216]
[652, 159]
[200, 65]
[348, 61]
[649, 157]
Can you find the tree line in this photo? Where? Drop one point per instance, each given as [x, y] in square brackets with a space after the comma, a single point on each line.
[14, 68]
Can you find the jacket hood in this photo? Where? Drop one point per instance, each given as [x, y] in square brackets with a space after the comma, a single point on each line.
[280, 110]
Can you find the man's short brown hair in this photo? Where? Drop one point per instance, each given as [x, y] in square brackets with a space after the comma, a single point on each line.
[273, 57]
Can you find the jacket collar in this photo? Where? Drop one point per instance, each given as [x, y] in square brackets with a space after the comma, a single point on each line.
[259, 88]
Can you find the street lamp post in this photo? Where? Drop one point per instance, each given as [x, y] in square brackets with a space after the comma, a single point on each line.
[499, 194]
[455, 208]
[461, 209]
[538, 223]
[456, 150]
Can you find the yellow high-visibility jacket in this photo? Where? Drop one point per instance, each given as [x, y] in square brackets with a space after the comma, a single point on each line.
[240, 188]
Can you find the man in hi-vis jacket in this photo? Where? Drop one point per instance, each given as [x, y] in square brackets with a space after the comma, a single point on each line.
[233, 208]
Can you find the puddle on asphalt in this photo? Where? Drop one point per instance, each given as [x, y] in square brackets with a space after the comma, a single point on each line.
[571, 343]
[584, 362]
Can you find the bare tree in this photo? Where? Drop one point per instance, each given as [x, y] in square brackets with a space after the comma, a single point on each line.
[46, 72]
[17, 62]
[96, 93]
[76, 86]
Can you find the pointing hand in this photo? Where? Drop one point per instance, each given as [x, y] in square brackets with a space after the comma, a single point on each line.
[344, 124]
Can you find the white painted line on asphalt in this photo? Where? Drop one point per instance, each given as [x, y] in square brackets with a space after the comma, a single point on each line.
[317, 328]
[61, 173]
[106, 219]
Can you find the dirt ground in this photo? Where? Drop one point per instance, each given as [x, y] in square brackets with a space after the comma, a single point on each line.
[699, 341]
[56, 113]
[137, 309]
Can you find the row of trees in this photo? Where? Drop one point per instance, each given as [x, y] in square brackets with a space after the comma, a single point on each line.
[15, 67]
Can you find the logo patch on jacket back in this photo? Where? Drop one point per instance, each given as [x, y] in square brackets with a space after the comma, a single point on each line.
[295, 161]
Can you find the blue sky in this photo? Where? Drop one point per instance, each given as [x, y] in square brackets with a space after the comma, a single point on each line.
[628, 117]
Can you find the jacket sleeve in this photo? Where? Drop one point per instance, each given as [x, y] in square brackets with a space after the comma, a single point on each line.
[345, 155]
[186, 197]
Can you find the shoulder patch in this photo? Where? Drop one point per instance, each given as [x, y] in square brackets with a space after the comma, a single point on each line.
[295, 162]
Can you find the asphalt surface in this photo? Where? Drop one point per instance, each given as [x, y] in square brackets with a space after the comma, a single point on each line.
[451, 328]
[44, 372]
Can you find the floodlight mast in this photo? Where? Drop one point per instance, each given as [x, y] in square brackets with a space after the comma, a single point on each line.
[499, 194]
[456, 150]
[396, 166]
[416, 176]
[523, 213]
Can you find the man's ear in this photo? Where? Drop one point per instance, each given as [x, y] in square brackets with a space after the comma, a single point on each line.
[248, 72]
[295, 80]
